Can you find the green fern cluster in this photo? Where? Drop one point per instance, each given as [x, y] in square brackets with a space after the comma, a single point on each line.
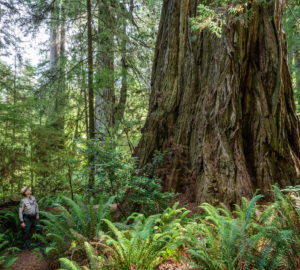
[248, 238]
[293, 196]
[50, 200]
[10, 237]
[77, 221]
[96, 262]
[142, 243]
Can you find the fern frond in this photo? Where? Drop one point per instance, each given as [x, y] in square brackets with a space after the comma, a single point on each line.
[69, 265]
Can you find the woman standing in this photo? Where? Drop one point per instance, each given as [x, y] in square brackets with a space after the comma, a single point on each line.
[29, 216]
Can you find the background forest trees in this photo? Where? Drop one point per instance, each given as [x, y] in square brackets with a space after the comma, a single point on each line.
[46, 110]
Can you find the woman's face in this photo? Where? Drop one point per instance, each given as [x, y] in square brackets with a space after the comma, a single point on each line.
[27, 192]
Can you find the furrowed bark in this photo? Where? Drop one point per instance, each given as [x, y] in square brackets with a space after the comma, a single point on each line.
[223, 107]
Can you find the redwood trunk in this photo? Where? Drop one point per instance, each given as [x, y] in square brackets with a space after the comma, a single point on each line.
[90, 91]
[223, 107]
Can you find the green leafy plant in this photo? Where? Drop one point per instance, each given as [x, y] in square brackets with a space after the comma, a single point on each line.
[77, 221]
[10, 236]
[141, 244]
[96, 262]
[213, 15]
[117, 175]
[248, 238]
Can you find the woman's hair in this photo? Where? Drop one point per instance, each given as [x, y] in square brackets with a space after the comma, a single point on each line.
[24, 195]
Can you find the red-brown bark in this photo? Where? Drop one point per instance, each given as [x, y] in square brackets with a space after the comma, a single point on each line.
[223, 106]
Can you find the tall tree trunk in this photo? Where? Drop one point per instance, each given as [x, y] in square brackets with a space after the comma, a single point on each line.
[90, 91]
[83, 94]
[57, 66]
[61, 92]
[54, 38]
[105, 93]
[120, 108]
[223, 107]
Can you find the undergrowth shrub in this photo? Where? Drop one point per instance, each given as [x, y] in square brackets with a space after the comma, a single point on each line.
[252, 236]
[77, 221]
[142, 243]
[10, 236]
[50, 201]
[247, 238]
[116, 174]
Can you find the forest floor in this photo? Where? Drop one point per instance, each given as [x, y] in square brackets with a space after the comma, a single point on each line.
[29, 260]
[33, 260]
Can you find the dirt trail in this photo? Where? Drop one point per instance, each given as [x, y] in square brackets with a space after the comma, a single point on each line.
[29, 260]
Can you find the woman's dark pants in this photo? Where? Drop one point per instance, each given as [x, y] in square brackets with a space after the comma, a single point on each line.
[30, 223]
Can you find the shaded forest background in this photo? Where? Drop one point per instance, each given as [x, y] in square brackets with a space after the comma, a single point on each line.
[45, 118]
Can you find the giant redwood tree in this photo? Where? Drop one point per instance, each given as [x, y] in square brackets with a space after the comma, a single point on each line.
[222, 107]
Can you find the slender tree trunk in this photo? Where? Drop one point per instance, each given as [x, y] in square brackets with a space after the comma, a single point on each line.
[31, 167]
[13, 178]
[70, 176]
[61, 97]
[90, 91]
[86, 116]
[120, 109]
[297, 73]
[83, 93]
[54, 39]
[222, 107]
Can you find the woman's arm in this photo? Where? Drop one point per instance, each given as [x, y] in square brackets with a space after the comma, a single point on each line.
[21, 211]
